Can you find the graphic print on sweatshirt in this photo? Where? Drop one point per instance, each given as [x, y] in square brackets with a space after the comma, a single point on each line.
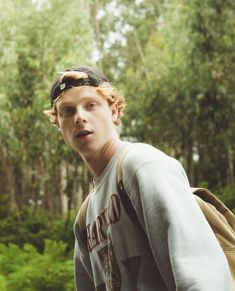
[110, 266]
[97, 231]
[99, 243]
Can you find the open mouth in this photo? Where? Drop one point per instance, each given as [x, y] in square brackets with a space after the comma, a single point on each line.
[83, 133]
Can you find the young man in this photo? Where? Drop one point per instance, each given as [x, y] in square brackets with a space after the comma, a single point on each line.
[171, 246]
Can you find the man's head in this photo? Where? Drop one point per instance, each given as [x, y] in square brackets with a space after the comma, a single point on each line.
[86, 108]
[83, 76]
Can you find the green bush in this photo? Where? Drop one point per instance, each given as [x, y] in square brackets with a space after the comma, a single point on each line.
[25, 269]
[3, 285]
[35, 227]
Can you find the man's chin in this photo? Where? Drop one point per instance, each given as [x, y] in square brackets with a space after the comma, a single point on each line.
[84, 149]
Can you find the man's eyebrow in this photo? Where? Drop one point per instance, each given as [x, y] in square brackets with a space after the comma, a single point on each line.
[82, 99]
[64, 103]
[88, 97]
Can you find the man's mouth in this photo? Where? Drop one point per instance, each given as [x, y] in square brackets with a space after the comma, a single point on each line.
[83, 133]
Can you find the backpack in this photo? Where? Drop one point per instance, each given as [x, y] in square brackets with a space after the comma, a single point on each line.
[219, 217]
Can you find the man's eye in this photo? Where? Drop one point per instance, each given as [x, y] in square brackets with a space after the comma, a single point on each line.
[90, 105]
[67, 111]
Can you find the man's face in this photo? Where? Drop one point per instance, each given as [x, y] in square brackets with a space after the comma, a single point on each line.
[85, 119]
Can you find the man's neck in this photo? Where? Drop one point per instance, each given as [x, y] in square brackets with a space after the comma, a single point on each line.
[99, 160]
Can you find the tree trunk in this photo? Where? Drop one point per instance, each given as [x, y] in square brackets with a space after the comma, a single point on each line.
[94, 8]
[230, 174]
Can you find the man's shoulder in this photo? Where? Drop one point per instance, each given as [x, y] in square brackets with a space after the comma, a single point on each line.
[140, 153]
[145, 159]
[144, 156]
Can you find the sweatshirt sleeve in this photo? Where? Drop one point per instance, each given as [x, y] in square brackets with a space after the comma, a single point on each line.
[82, 264]
[185, 249]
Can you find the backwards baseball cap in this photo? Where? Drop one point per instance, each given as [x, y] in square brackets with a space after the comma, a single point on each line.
[95, 78]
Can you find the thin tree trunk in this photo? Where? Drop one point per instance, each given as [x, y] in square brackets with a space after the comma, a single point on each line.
[230, 174]
[141, 54]
[11, 188]
[63, 196]
[94, 8]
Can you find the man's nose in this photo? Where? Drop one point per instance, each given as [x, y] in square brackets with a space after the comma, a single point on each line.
[80, 116]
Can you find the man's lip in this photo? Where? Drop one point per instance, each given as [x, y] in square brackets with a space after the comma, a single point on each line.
[81, 133]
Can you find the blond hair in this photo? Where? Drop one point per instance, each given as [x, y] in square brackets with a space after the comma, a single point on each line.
[105, 89]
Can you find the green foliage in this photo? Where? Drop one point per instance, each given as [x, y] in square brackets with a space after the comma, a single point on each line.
[34, 227]
[36, 251]
[26, 269]
[3, 284]
[33, 50]
[177, 77]
[174, 61]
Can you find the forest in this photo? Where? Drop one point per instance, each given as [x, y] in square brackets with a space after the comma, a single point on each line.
[173, 60]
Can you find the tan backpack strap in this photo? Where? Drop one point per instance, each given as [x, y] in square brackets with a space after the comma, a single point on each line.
[119, 165]
[82, 214]
[210, 198]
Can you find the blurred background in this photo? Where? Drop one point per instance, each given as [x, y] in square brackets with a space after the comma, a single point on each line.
[174, 61]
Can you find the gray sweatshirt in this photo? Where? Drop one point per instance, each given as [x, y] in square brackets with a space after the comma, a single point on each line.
[177, 251]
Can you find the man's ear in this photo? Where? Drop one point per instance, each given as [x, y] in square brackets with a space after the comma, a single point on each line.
[114, 111]
[52, 114]
[56, 123]
[57, 126]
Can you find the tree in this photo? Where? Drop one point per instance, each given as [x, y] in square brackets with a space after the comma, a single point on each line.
[32, 50]
[178, 83]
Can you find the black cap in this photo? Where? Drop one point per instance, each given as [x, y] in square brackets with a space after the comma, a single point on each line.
[95, 78]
